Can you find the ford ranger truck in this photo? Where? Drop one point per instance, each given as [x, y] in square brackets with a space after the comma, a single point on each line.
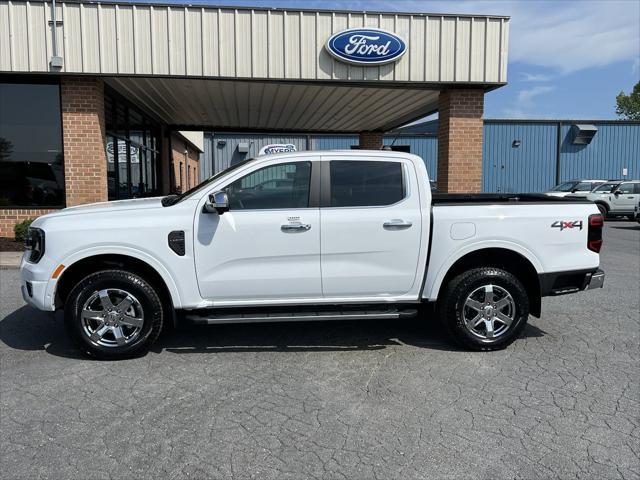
[336, 235]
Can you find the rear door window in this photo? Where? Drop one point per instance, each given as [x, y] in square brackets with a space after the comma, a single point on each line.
[626, 188]
[366, 183]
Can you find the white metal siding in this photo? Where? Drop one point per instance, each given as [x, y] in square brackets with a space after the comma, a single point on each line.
[275, 44]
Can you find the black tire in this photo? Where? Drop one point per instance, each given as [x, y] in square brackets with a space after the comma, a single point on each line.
[452, 308]
[147, 306]
[603, 209]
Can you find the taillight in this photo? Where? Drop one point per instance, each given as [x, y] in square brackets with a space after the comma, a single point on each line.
[594, 237]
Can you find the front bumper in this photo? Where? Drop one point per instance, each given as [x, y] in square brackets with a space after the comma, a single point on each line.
[36, 286]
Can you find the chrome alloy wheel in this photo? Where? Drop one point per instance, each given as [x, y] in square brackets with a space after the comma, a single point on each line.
[112, 318]
[489, 311]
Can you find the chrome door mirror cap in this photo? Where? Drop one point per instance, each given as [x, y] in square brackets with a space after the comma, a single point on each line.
[218, 202]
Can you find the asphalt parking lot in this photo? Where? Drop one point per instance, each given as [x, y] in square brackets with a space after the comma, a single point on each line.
[334, 400]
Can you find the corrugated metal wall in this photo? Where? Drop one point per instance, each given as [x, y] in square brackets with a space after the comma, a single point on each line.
[529, 167]
[246, 43]
[332, 142]
[424, 146]
[614, 148]
[221, 149]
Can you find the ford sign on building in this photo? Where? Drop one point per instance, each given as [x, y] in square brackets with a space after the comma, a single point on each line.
[143, 79]
[366, 46]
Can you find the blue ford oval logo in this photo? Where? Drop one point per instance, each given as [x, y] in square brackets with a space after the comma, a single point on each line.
[366, 46]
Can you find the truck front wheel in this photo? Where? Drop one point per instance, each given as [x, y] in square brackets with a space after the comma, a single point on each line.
[113, 314]
[484, 308]
[604, 211]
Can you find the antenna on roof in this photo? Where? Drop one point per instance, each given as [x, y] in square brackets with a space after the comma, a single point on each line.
[390, 147]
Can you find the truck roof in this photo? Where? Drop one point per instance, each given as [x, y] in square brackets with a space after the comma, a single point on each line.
[347, 153]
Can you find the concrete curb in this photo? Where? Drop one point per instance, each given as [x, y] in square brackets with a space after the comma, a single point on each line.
[10, 260]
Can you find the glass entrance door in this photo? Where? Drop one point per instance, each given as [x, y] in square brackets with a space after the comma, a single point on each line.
[132, 150]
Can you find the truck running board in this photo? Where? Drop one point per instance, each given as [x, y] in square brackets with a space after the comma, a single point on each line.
[298, 316]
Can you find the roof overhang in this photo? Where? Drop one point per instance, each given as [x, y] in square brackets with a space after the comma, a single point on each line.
[275, 106]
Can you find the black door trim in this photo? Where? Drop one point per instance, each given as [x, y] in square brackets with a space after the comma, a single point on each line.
[314, 187]
[325, 184]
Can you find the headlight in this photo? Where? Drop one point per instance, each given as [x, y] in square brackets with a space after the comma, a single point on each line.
[35, 244]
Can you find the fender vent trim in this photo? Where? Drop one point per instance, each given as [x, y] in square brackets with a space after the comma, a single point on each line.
[176, 242]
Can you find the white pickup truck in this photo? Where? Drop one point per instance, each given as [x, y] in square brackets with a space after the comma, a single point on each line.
[308, 236]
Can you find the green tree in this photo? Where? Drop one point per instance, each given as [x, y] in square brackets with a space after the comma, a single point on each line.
[628, 106]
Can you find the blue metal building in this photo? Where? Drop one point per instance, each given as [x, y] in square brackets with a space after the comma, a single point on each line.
[518, 155]
[534, 155]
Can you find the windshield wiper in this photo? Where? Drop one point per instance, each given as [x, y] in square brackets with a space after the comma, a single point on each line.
[170, 200]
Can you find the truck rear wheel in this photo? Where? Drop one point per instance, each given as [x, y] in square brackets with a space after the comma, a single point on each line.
[113, 314]
[484, 308]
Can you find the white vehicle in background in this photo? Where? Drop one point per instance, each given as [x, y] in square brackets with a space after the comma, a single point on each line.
[574, 186]
[349, 235]
[615, 198]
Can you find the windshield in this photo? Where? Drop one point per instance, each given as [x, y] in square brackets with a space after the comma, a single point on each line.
[173, 199]
[563, 187]
[605, 188]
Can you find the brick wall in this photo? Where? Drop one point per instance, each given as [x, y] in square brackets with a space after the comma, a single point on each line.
[9, 217]
[370, 140]
[460, 140]
[85, 162]
[185, 166]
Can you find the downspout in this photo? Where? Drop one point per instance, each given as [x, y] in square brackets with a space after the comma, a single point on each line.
[172, 174]
[56, 61]
[558, 152]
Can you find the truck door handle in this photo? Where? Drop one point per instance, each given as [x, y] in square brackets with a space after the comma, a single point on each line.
[295, 227]
[396, 224]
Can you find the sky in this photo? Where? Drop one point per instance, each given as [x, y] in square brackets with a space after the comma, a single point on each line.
[567, 58]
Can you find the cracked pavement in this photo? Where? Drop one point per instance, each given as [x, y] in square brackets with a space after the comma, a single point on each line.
[357, 400]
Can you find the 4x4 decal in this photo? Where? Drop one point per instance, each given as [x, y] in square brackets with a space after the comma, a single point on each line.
[562, 224]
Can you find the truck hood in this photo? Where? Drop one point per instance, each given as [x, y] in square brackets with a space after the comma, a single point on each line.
[104, 207]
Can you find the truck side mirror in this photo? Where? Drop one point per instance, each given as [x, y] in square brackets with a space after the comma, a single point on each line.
[616, 192]
[218, 202]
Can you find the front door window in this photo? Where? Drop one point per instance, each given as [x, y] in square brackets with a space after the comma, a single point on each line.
[275, 187]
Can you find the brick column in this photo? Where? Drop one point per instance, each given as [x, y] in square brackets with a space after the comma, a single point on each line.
[85, 159]
[370, 140]
[460, 140]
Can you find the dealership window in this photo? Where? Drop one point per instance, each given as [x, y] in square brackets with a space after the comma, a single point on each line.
[31, 157]
[133, 158]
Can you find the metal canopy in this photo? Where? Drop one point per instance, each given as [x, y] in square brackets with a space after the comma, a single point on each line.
[187, 103]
